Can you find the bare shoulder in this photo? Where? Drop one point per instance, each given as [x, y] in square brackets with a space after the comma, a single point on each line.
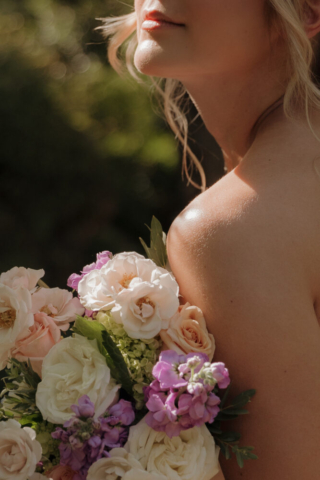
[247, 252]
[266, 212]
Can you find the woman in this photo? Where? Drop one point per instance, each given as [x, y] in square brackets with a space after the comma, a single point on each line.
[247, 250]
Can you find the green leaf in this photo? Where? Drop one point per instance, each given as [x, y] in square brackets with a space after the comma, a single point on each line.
[243, 453]
[243, 398]
[239, 459]
[92, 330]
[30, 420]
[116, 363]
[224, 448]
[229, 437]
[221, 417]
[225, 396]
[157, 250]
[213, 430]
[235, 411]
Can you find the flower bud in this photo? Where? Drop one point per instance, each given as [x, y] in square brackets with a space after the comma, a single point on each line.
[194, 362]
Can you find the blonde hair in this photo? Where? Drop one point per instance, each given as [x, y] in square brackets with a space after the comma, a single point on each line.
[301, 89]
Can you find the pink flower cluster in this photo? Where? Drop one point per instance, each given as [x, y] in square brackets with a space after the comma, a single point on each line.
[102, 259]
[85, 439]
[182, 395]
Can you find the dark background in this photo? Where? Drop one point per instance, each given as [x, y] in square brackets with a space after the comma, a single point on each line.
[85, 159]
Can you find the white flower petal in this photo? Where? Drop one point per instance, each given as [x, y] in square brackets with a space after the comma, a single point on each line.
[15, 319]
[19, 451]
[190, 456]
[74, 367]
[19, 277]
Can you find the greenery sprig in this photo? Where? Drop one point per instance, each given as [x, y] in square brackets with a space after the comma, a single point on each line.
[228, 441]
[157, 250]
[19, 394]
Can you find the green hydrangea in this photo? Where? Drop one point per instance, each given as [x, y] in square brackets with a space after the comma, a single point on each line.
[50, 446]
[139, 355]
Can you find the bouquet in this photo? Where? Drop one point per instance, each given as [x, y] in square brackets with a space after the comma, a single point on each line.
[114, 380]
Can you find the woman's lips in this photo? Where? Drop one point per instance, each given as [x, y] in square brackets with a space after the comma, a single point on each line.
[155, 24]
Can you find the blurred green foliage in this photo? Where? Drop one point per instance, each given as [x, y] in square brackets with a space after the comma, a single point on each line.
[84, 159]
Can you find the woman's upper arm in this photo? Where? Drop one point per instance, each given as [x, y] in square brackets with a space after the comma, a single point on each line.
[256, 299]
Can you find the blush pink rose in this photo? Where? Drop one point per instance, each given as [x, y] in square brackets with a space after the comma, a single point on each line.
[42, 336]
[61, 472]
[188, 333]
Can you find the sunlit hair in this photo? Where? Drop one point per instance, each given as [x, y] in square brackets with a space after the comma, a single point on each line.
[301, 90]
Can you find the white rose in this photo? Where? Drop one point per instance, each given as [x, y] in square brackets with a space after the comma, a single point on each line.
[145, 308]
[15, 319]
[19, 451]
[91, 292]
[121, 465]
[118, 273]
[58, 304]
[192, 455]
[21, 277]
[100, 288]
[74, 367]
[188, 333]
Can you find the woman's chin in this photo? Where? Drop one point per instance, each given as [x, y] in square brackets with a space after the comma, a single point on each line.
[155, 62]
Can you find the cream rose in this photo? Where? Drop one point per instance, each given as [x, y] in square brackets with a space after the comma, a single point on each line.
[41, 337]
[121, 465]
[15, 319]
[188, 333]
[74, 367]
[21, 277]
[58, 304]
[191, 455]
[19, 451]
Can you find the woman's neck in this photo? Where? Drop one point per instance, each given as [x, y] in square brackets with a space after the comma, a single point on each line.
[231, 107]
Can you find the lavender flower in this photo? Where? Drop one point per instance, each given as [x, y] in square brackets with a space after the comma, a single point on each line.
[182, 395]
[84, 439]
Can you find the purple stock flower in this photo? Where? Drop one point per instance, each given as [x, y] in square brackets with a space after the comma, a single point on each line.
[166, 370]
[85, 439]
[182, 394]
[73, 281]
[162, 415]
[123, 412]
[221, 374]
[85, 407]
[102, 259]
[203, 358]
